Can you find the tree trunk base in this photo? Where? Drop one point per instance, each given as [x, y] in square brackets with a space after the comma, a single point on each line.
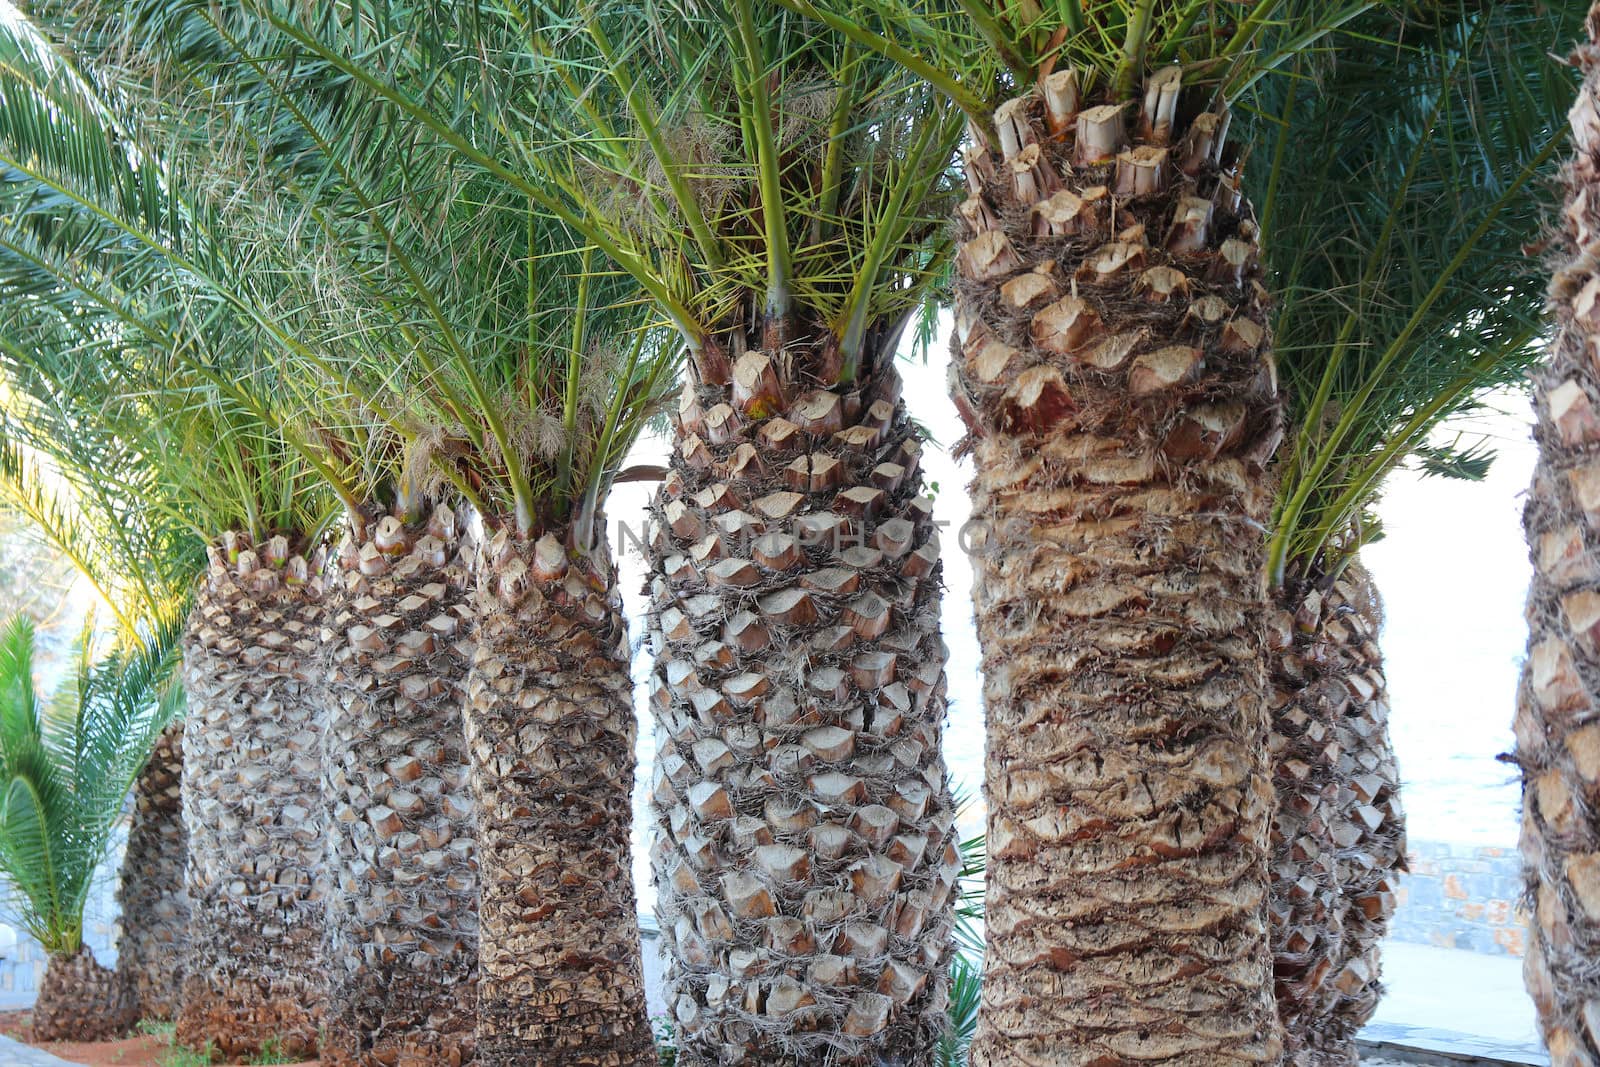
[79, 1000]
[550, 732]
[152, 956]
[252, 802]
[238, 1017]
[401, 926]
[411, 1050]
[1112, 362]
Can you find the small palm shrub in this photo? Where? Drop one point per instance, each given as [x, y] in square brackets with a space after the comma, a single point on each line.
[66, 765]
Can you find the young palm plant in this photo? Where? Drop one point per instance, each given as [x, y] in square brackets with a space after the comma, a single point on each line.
[1402, 185]
[66, 764]
[1556, 737]
[88, 494]
[777, 194]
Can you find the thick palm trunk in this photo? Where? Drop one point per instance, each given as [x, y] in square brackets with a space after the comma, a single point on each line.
[804, 857]
[252, 802]
[79, 1000]
[153, 951]
[1339, 831]
[1558, 741]
[1113, 362]
[550, 733]
[401, 938]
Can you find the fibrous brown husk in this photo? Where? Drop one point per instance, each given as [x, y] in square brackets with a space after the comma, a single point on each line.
[79, 1000]
[401, 935]
[1113, 364]
[252, 801]
[805, 856]
[153, 950]
[550, 733]
[1557, 737]
[1339, 831]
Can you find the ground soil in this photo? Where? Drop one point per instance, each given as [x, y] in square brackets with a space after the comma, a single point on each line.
[129, 1052]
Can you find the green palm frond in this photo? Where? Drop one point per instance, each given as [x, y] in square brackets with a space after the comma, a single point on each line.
[966, 989]
[970, 896]
[1407, 174]
[473, 325]
[66, 766]
[119, 299]
[980, 52]
[733, 164]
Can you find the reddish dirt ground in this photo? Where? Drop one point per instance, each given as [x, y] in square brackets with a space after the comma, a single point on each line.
[129, 1052]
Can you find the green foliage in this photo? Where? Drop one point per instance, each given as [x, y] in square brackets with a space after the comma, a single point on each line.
[66, 765]
[1468, 462]
[966, 990]
[272, 1052]
[969, 896]
[178, 1056]
[979, 52]
[175, 1055]
[86, 491]
[494, 355]
[128, 333]
[1402, 177]
[665, 1031]
[738, 167]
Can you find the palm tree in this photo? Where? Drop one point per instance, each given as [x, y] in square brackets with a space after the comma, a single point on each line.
[67, 764]
[805, 861]
[520, 379]
[1398, 197]
[152, 897]
[98, 244]
[1113, 362]
[1553, 727]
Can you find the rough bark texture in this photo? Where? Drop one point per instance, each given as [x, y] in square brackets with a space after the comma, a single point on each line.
[804, 857]
[401, 938]
[1113, 363]
[1339, 832]
[79, 1000]
[252, 802]
[1558, 737]
[550, 732]
[152, 953]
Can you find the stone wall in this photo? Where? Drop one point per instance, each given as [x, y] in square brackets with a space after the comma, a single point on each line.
[1462, 896]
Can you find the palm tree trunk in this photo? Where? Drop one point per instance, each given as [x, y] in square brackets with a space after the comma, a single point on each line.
[153, 950]
[805, 853]
[401, 939]
[550, 734]
[1114, 366]
[1558, 743]
[252, 802]
[1339, 831]
[79, 1000]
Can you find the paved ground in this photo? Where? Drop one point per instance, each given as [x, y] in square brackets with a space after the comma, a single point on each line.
[1446, 989]
[1435, 997]
[16, 1054]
